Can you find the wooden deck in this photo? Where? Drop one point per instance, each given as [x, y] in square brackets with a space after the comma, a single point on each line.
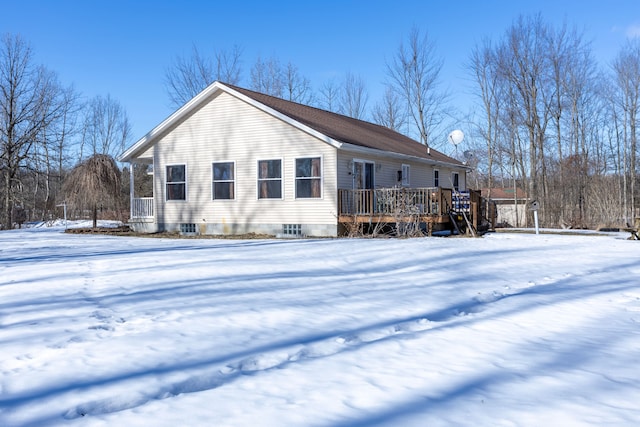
[430, 206]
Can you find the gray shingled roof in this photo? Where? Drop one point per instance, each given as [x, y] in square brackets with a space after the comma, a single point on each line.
[337, 127]
[346, 129]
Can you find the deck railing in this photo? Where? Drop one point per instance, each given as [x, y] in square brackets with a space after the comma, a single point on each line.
[394, 201]
[142, 207]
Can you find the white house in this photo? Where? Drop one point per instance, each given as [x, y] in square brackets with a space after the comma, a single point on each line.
[234, 161]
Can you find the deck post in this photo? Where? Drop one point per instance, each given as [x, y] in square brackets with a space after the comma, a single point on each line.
[475, 214]
[131, 190]
[370, 193]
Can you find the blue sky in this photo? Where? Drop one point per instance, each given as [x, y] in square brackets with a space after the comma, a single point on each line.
[123, 48]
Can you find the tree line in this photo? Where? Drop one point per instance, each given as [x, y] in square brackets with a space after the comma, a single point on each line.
[547, 118]
[558, 124]
[46, 128]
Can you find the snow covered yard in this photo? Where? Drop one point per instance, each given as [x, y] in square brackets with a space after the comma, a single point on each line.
[506, 330]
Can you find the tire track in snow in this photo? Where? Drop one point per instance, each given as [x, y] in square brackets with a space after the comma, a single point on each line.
[284, 356]
[251, 365]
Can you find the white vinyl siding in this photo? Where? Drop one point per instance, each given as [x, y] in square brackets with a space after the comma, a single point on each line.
[385, 171]
[228, 128]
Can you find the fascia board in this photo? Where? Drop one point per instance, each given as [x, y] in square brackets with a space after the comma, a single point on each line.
[198, 99]
[150, 137]
[285, 118]
[374, 152]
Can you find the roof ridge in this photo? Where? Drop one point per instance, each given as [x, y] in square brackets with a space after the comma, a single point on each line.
[242, 89]
[328, 124]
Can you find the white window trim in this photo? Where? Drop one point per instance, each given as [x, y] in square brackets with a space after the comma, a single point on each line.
[406, 177]
[270, 179]
[353, 170]
[436, 171]
[295, 178]
[235, 186]
[166, 183]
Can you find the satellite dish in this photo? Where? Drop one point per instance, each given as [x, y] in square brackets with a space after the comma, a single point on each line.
[456, 137]
[468, 155]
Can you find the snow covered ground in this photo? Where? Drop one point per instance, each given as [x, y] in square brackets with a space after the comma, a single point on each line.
[504, 330]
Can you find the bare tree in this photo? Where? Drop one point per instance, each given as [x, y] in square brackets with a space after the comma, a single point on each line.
[414, 73]
[28, 105]
[353, 97]
[626, 67]
[93, 184]
[329, 95]
[544, 116]
[523, 62]
[390, 111]
[567, 73]
[56, 147]
[188, 76]
[229, 65]
[297, 88]
[268, 77]
[106, 128]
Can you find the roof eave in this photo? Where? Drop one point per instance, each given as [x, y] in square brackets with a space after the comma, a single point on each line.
[167, 123]
[275, 113]
[373, 151]
[195, 102]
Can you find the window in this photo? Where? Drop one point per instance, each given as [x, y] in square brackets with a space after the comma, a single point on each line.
[187, 228]
[176, 182]
[456, 180]
[405, 175]
[292, 230]
[436, 178]
[363, 174]
[308, 178]
[223, 181]
[270, 179]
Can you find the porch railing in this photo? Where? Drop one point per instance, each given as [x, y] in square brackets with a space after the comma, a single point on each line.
[394, 201]
[142, 207]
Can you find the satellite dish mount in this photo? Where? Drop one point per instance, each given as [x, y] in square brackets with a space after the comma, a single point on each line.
[455, 138]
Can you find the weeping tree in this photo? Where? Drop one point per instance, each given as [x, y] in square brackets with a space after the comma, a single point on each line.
[93, 184]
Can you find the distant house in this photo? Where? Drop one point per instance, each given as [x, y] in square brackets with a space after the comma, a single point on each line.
[511, 206]
[234, 161]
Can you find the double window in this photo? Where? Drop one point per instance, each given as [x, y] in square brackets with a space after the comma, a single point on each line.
[223, 186]
[176, 182]
[308, 178]
[270, 179]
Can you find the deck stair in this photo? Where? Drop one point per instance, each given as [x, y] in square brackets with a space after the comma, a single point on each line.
[461, 207]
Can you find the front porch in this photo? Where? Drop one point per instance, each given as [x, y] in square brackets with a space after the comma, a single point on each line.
[142, 208]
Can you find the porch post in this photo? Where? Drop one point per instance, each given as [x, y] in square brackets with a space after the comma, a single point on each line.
[131, 190]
